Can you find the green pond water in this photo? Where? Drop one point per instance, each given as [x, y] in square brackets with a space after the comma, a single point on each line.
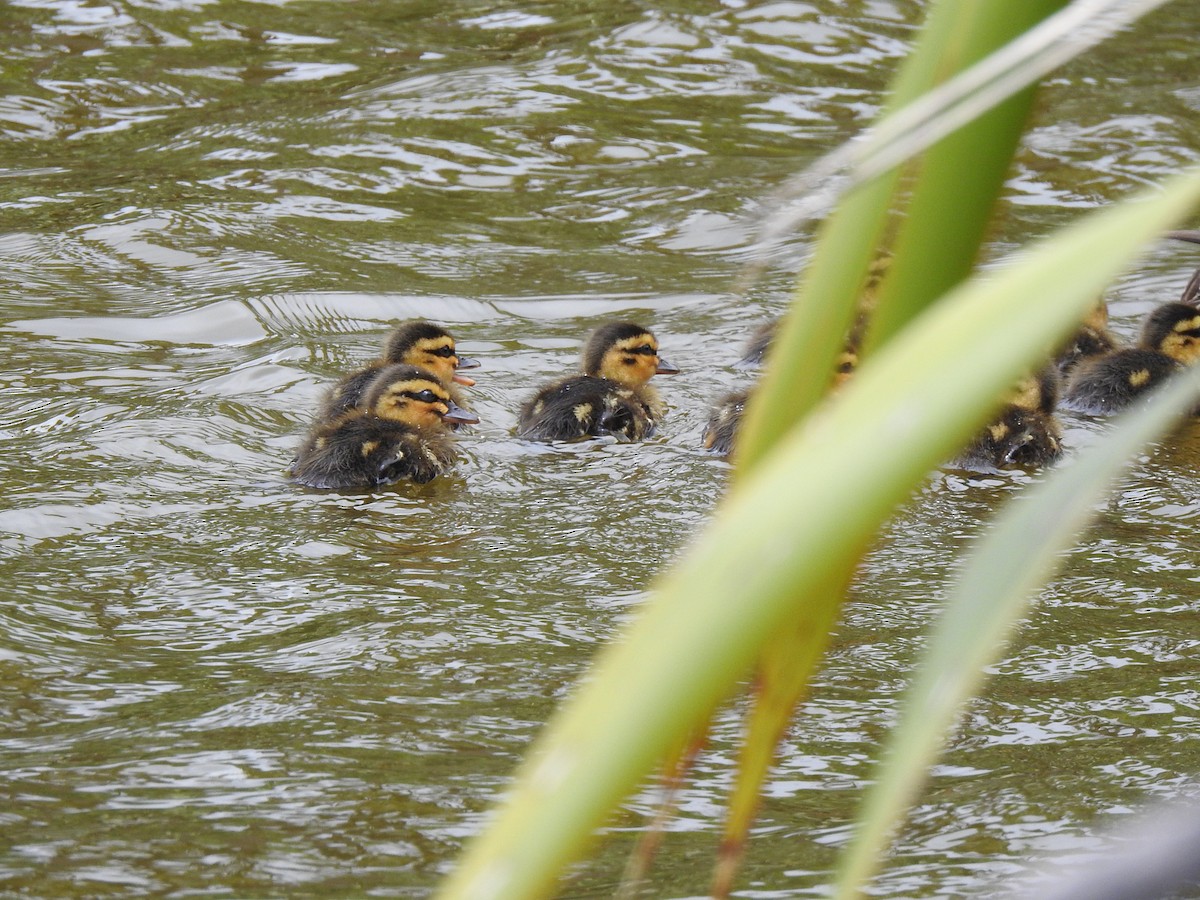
[215, 684]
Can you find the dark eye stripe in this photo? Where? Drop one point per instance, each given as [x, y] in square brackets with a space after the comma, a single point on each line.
[424, 396]
[644, 350]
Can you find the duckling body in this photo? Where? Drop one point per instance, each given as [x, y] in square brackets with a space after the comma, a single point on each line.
[1024, 433]
[360, 452]
[399, 432]
[415, 343]
[611, 397]
[1106, 384]
[586, 405]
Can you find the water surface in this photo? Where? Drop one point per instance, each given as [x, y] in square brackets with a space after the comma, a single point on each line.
[215, 683]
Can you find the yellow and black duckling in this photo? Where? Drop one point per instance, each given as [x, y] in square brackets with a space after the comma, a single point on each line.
[1024, 433]
[415, 343]
[398, 432]
[1092, 339]
[611, 397]
[1108, 383]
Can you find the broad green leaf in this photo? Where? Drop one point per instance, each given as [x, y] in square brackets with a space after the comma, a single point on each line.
[989, 598]
[786, 536]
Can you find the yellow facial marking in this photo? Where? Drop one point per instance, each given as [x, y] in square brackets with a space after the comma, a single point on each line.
[398, 402]
[628, 363]
[1027, 394]
[582, 411]
[1183, 347]
[369, 447]
[431, 353]
[999, 431]
[1191, 324]
[1139, 378]
[1098, 317]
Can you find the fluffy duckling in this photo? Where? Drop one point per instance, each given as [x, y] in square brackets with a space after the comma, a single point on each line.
[1092, 339]
[415, 343]
[398, 432]
[612, 396]
[1106, 384]
[724, 422]
[758, 345]
[725, 418]
[1024, 432]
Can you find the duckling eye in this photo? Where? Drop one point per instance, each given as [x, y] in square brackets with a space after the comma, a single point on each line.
[645, 350]
[426, 396]
[444, 352]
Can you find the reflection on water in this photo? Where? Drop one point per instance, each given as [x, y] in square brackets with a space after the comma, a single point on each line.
[214, 682]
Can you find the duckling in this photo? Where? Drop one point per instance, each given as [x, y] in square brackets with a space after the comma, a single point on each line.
[758, 345]
[1025, 432]
[1106, 384]
[397, 433]
[612, 396]
[725, 418]
[416, 343]
[724, 422]
[1092, 339]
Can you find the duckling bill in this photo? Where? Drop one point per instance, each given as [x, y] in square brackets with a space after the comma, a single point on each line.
[611, 397]
[399, 432]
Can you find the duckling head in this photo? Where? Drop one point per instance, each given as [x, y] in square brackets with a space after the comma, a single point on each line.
[430, 347]
[624, 353]
[414, 396]
[1037, 392]
[758, 345]
[1097, 318]
[1174, 329]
